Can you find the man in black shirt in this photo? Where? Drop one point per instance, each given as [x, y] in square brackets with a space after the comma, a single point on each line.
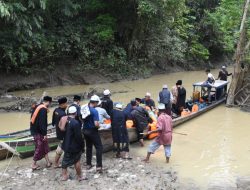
[57, 115]
[76, 103]
[38, 129]
[223, 74]
[107, 103]
[73, 145]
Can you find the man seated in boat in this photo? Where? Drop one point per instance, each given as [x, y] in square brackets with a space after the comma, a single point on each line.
[148, 101]
[208, 84]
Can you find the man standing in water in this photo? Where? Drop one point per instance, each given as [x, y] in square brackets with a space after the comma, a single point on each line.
[72, 145]
[164, 128]
[38, 130]
[57, 115]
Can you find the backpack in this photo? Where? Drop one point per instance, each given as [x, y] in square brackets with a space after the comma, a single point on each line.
[85, 112]
[63, 122]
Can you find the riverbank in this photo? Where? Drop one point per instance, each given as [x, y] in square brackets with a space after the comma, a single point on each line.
[64, 75]
[118, 174]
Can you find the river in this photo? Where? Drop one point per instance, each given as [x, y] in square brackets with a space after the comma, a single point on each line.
[216, 149]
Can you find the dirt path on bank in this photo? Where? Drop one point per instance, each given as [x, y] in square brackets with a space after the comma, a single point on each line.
[119, 174]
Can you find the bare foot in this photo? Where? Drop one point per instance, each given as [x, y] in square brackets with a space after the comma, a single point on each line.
[64, 178]
[141, 143]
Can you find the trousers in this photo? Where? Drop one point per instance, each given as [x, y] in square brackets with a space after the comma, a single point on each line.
[92, 137]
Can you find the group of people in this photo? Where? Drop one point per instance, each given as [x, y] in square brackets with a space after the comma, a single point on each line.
[77, 125]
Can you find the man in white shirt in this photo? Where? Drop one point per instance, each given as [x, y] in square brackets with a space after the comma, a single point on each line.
[103, 115]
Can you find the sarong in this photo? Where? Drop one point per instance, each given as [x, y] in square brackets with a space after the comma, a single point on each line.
[70, 158]
[41, 147]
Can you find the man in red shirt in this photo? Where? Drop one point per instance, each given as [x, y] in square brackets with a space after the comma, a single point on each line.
[164, 128]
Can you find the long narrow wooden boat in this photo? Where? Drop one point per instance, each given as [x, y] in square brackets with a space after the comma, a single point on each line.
[106, 135]
[23, 142]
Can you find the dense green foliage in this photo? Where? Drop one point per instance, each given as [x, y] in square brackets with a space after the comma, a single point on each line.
[121, 36]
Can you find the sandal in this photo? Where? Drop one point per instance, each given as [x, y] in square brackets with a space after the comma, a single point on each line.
[82, 179]
[36, 168]
[99, 170]
[59, 166]
[89, 167]
[49, 165]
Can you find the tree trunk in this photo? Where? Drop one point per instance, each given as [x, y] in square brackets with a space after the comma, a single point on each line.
[237, 79]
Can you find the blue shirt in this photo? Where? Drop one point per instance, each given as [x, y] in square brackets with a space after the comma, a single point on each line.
[89, 122]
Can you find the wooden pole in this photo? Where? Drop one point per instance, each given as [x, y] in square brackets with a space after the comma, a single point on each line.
[238, 57]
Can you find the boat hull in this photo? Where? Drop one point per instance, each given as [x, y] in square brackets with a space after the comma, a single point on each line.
[25, 146]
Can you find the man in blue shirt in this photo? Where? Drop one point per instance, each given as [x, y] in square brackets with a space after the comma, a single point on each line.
[91, 134]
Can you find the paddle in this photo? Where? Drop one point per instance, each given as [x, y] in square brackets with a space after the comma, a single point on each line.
[173, 132]
[179, 133]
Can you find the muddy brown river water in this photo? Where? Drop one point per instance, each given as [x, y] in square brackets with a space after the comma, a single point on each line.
[216, 149]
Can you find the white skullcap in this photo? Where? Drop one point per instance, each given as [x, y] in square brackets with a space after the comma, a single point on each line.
[72, 109]
[106, 92]
[165, 86]
[161, 106]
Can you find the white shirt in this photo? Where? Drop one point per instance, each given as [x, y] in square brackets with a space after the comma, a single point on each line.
[102, 114]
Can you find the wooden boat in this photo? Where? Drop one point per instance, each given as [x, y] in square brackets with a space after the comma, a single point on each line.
[106, 135]
[23, 142]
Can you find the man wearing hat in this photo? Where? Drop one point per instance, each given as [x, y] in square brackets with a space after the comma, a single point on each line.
[91, 134]
[223, 74]
[57, 115]
[107, 103]
[120, 133]
[164, 130]
[179, 97]
[38, 129]
[76, 103]
[166, 97]
[148, 101]
[73, 145]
